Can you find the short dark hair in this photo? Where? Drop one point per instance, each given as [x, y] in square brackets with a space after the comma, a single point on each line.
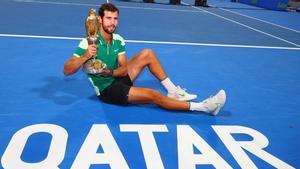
[107, 7]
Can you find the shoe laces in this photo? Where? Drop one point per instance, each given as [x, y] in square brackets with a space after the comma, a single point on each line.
[181, 90]
[209, 99]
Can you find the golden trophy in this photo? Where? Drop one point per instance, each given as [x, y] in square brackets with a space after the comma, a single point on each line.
[93, 65]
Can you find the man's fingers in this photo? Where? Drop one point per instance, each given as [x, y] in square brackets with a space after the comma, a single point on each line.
[93, 47]
[92, 50]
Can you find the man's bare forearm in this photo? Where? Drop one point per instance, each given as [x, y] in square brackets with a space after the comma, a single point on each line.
[73, 64]
[120, 71]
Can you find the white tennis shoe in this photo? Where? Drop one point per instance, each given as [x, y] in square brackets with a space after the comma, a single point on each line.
[181, 94]
[215, 103]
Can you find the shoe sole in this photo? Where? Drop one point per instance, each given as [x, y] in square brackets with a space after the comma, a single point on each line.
[222, 94]
[217, 110]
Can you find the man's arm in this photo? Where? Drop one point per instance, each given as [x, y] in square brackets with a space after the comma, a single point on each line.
[122, 69]
[74, 63]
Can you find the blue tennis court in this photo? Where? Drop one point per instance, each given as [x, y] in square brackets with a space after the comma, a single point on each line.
[50, 121]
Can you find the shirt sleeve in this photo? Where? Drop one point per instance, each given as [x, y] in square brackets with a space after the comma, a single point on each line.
[121, 44]
[81, 48]
[122, 48]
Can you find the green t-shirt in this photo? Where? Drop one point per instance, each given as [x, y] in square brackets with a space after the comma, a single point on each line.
[106, 53]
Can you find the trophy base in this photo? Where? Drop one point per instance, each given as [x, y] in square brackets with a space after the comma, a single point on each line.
[93, 66]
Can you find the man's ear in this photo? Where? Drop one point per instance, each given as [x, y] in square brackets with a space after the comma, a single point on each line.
[99, 19]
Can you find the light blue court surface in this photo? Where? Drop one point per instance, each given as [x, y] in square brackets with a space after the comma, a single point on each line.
[51, 121]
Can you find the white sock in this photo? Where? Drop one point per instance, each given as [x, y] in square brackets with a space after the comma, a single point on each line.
[197, 106]
[168, 85]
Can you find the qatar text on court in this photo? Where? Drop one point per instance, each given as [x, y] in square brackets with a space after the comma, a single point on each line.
[100, 135]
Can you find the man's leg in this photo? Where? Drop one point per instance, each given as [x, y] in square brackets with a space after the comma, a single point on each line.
[145, 58]
[145, 95]
[211, 105]
[148, 58]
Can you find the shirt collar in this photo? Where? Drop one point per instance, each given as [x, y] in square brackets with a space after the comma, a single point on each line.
[102, 41]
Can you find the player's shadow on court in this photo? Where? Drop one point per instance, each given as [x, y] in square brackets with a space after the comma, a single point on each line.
[64, 90]
[225, 113]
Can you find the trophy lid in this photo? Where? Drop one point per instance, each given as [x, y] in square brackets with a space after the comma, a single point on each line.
[92, 13]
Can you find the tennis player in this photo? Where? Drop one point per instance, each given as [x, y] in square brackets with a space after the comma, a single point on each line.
[114, 85]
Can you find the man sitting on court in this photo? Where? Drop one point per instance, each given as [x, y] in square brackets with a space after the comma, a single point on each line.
[115, 84]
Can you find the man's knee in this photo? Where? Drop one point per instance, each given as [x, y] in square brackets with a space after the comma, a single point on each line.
[147, 51]
[154, 96]
[148, 54]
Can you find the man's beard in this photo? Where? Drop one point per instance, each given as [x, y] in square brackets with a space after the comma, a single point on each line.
[106, 29]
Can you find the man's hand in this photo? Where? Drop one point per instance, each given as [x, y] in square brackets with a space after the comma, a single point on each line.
[105, 72]
[91, 51]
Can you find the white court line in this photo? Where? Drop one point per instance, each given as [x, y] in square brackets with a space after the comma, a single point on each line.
[198, 9]
[93, 5]
[261, 20]
[249, 27]
[40, 37]
[178, 10]
[158, 9]
[159, 42]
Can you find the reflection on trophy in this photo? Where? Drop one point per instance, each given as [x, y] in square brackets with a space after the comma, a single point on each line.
[93, 65]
